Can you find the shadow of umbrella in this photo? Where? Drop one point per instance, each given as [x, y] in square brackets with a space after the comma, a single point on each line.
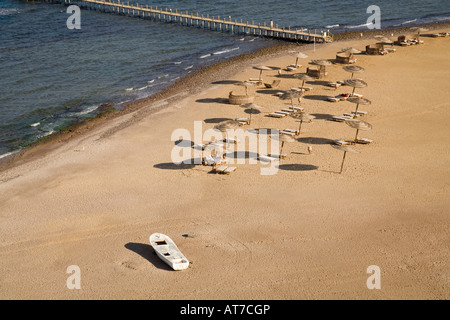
[252, 108]
[345, 149]
[297, 167]
[173, 166]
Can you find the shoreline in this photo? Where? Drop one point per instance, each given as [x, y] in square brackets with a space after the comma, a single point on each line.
[203, 78]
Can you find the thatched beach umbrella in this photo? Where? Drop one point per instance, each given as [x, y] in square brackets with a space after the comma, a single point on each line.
[284, 138]
[358, 101]
[304, 77]
[351, 50]
[290, 95]
[353, 69]
[302, 117]
[298, 55]
[226, 125]
[322, 63]
[246, 84]
[253, 109]
[261, 69]
[358, 125]
[345, 149]
[355, 83]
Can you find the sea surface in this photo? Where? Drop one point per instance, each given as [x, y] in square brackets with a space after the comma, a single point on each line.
[51, 76]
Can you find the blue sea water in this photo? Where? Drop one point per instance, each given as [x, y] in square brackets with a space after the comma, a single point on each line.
[51, 76]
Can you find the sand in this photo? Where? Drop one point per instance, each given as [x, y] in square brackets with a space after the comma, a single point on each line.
[306, 232]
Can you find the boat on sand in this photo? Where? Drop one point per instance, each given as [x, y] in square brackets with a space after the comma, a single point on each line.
[168, 252]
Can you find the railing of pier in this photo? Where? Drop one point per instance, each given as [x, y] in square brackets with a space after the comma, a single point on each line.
[201, 21]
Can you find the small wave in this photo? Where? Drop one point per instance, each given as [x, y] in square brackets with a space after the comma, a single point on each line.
[7, 12]
[226, 51]
[178, 62]
[35, 124]
[4, 155]
[163, 76]
[190, 67]
[86, 111]
[129, 89]
[359, 26]
[206, 55]
[151, 81]
[406, 22]
[332, 26]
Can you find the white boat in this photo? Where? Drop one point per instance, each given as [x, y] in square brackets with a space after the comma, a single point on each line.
[168, 252]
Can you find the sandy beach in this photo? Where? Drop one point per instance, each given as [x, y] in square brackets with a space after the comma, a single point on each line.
[306, 232]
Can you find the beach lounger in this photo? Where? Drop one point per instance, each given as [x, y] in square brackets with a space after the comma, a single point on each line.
[276, 115]
[305, 88]
[264, 158]
[295, 65]
[390, 50]
[290, 68]
[356, 95]
[334, 85]
[340, 118]
[292, 131]
[298, 109]
[283, 112]
[333, 99]
[278, 156]
[280, 93]
[348, 114]
[288, 133]
[243, 121]
[289, 110]
[274, 84]
[220, 169]
[364, 141]
[361, 113]
[341, 142]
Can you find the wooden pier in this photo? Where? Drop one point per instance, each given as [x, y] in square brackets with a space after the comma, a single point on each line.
[201, 21]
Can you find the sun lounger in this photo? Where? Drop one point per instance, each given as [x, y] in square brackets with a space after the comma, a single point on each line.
[243, 121]
[361, 113]
[278, 156]
[280, 93]
[229, 140]
[305, 88]
[264, 158]
[274, 84]
[288, 133]
[292, 131]
[282, 112]
[364, 141]
[333, 99]
[390, 50]
[289, 110]
[348, 114]
[357, 95]
[295, 65]
[341, 142]
[340, 118]
[289, 68]
[276, 115]
[298, 109]
[220, 169]
[334, 84]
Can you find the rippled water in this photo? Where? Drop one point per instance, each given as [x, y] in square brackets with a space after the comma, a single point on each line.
[51, 76]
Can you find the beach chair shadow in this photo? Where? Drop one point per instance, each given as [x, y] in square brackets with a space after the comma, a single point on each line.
[213, 100]
[173, 166]
[216, 120]
[316, 97]
[315, 140]
[297, 167]
[146, 251]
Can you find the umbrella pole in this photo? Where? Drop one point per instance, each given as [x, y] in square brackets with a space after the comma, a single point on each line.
[356, 136]
[281, 150]
[260, 75]
[296, 62]
[251, 111]
[300, 126]
[353, 92]
[343, 159]
[356, 111]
